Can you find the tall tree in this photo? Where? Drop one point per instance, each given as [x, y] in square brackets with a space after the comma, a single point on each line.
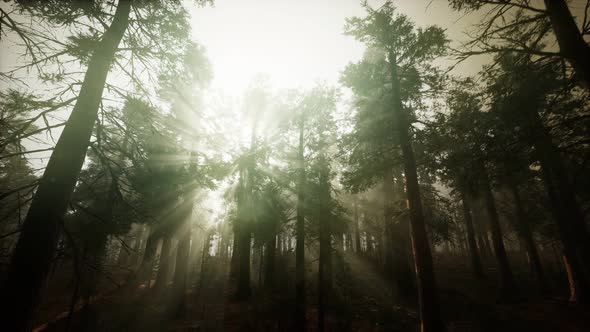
[507, 286]
[300, 230]
[407, 49]
[34, 251]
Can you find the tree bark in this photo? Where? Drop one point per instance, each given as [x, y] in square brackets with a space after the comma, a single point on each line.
[36, 246]
[571, 42]
[476, 265]
[425, 279]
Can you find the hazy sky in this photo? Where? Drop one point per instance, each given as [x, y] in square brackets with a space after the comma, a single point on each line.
[294, 42]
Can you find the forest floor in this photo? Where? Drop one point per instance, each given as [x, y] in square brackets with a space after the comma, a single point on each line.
[475, 305]
[362, 300]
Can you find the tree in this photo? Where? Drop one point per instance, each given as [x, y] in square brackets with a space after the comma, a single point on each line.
[370, 157]
[506, 89]
[99, 51]
[407, 49]
[571, 40]
[36, 245]
[476, 265]
[300, 230]
[323, 102]
[468, 136]
[17, 179]
[505, 18]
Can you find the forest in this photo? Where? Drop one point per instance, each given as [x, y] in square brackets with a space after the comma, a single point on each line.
[257, 165]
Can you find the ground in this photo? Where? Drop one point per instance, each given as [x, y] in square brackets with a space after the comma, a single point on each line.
[362, 300]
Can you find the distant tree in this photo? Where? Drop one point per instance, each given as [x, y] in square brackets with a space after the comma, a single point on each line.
[465, 137]
[17, 178]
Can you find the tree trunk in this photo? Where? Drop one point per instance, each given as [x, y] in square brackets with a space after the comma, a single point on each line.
[526, 236]
[476, 265]
[388, 236]
[269, 271]
[36, 246]
[398, 247]
[258, 261]
[205, 255]
[244, 291]
[164, 265]
[280, 243]
[124, 255]
[195, 255]
[484, 238]
[182, 256]
[357, 232]
[300, 237]
[225, 243]
[402, 266]
[324, 277]
[369, 242]
[571, 42]
[243, 236]
[233, 270]
[425, 280]
[182, 268]
[506, 279]
[144, 271]
[137, 247]
[564, 207]
[95, 252]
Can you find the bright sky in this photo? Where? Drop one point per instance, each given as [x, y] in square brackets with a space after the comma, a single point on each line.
[295, 42]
